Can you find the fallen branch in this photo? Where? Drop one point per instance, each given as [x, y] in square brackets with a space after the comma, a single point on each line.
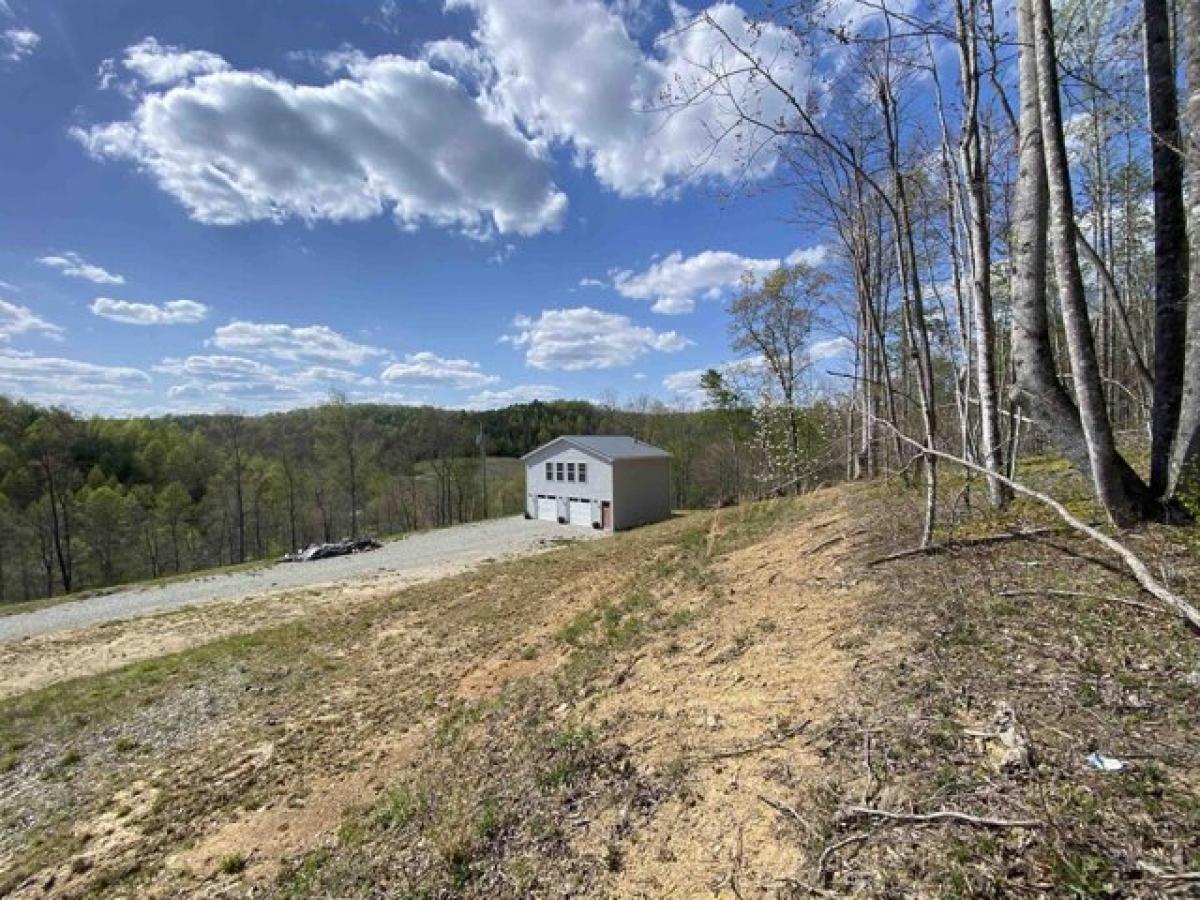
[784, 810]
[834, 848]
[945, 815]
[1143, 575]
[757, 746]
[1054, 592]
[932, 549]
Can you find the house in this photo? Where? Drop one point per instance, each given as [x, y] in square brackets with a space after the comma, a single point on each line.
[603, 481]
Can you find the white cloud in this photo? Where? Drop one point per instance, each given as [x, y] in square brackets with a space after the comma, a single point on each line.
[331, 376]
[67, 382]
[317, 343]
[18, 43]
[586, 338]
[591, 283]
[429, 368]
[218, 367]
[173, 312]
[160, 64]
[390, 134]
[569, 71]
[685, 386]
[520, 393]
[75, 266]
[18, 319]
[676, 282]
[808, 256]
[820, 351]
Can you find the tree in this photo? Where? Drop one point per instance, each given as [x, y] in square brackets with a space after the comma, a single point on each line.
[342, 444]
[1170, 239]
[1184, 475]
[774, 319]
[172, 507]
[231, 427]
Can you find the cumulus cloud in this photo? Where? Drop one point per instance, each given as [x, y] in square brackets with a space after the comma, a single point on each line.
[56, 381]
[316, 343]
[173, 312]
[18, 43]
[429, 368]
[685, 386]
[17, 319]
[390, 134]
[160, 64]
[520, 393]
[808, 256]
[569, 71]
[820, 351]
[676, 282]
[75, 266]
[586, 338]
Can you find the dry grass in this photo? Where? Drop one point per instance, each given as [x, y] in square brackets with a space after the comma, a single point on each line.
[693, 709]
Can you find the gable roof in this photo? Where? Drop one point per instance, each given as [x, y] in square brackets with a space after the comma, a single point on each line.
[608, 446]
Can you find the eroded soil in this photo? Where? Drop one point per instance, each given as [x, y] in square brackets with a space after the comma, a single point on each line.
[717, 647]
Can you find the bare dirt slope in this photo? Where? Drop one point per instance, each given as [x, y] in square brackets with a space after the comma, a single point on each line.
[615, 718]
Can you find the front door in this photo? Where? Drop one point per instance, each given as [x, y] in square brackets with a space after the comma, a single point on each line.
[606, 515]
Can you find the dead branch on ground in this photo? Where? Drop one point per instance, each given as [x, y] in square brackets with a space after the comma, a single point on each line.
[1139, 569]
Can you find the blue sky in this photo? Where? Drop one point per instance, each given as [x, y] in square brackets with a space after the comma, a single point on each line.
[237, 205]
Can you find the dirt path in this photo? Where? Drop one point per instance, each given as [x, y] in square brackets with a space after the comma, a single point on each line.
[46, 658]
[734, 697]
[429, 553]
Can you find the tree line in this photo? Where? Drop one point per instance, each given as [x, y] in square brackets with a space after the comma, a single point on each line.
[91, 502]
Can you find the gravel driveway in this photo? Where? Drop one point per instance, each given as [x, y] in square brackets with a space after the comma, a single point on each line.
[448, 549]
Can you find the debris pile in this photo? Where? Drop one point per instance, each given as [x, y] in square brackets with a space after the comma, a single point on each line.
[338, 548]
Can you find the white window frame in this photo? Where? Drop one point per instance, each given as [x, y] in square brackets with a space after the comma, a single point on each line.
[571, 472]
[549, 471]
[559, 471]
[581, 472]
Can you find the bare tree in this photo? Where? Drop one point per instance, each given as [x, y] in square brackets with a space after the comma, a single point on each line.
[1184, 476]
[979, 228]
[1170, 238]
[1124, 499]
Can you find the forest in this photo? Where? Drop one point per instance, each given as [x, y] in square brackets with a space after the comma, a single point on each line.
[90, 502]
[1012, 195]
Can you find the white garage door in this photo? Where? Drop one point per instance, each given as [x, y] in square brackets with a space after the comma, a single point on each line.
[547, 509]
[581, 512]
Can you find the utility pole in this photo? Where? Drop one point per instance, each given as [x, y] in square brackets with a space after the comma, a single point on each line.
[483, 467]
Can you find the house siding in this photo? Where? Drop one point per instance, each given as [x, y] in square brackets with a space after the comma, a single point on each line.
[643, 492]
[599, 485]
[638, 489]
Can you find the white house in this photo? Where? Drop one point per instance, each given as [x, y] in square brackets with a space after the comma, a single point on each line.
[603, 481]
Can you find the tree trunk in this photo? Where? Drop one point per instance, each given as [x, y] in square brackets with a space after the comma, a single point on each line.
[979, 228]
[1184, 478]
[1170, 239]
[1125, 503]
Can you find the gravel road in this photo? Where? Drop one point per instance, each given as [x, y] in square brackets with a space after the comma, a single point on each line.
[438, 552]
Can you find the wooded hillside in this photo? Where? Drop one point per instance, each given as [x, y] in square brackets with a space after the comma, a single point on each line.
[86, 503]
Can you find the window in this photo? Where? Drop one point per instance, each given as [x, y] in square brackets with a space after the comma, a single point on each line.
[570, 471]
[549, 471]
[582, 472]
[560, 471]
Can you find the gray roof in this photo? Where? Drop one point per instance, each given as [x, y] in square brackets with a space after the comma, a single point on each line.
[609, 446]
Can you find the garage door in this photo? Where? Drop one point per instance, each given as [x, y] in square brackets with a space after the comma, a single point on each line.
[581, 512]
[547, 509]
